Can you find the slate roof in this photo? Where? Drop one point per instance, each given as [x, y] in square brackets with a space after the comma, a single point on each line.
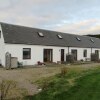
[15, 34]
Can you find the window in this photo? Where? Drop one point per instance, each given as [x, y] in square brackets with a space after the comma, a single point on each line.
[59, 36]
[78, 38]
[85, 53]
[74, 53]
[26, 53]
[91, 40]
[97, 52]
[40, 34]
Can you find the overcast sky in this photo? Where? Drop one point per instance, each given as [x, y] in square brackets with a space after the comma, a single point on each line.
[70, 16]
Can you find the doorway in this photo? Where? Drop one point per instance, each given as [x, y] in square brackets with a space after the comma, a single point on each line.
[62, 55]
[48, 55]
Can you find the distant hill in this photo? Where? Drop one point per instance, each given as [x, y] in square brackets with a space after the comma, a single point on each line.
[97, 35]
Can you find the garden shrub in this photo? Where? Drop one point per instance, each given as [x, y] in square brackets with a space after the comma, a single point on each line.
[63, 71]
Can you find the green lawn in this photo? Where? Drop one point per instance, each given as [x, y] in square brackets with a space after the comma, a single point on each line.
[75, 85]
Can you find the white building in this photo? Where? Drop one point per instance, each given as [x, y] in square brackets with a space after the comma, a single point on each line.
[31, 45]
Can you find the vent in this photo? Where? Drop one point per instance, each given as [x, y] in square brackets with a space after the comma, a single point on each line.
[78, 38]
[40, 34]
[91, 40]
[59, 36]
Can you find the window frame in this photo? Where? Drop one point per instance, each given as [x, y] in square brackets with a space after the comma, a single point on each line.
[29, 54]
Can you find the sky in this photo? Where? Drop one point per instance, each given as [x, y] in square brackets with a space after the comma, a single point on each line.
[70, 16]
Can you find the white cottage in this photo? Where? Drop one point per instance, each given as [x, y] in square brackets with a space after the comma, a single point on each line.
[31, 45]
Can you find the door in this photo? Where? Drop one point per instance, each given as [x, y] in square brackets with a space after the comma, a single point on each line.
[74, 53]
[62, 55]
[48, 55]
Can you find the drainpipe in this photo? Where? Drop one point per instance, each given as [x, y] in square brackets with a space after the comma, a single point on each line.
[68, 53]
[91, 50]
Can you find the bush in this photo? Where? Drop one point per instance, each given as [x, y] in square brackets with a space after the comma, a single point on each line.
[5, 86]
[20, 64]
[40, 63]
[10, 91]
[44, 85]
[70, 58]
[94, 57]
[63, 71]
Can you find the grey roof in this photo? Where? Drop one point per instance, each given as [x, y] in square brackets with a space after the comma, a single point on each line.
[15, 34]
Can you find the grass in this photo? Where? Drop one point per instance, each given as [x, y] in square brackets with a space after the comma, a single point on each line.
[28, 79]
[10, 91]
[77, 84]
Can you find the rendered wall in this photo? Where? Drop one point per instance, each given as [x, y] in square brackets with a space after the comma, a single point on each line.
[16, 50]
[2, 49]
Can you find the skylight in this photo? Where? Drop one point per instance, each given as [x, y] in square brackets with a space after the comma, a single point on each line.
[78, 38]
[40, 34]
[91, 40]
[59, 36]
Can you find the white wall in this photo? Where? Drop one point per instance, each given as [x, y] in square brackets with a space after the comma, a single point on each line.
[16, 50]
[2, 49]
